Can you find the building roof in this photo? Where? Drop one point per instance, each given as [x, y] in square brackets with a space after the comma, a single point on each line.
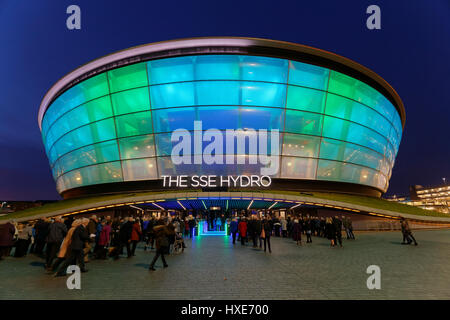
[222, 45]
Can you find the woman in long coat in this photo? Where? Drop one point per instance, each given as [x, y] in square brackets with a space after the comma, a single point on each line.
[135, 236]
[242, 226]
[330, 231]
[297, 232]
[64, 250]
[7, 231]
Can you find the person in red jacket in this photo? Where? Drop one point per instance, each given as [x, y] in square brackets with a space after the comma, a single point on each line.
[135, 236]
[242, 226]
[103, 240]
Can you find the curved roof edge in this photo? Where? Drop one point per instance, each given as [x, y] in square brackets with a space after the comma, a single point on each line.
[230, 45]
[70, 207]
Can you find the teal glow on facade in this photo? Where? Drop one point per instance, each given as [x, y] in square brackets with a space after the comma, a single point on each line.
[116, 126]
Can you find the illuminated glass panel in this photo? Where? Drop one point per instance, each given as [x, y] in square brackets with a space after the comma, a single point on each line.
[132, 76]
[354, 89]
[217, 92]
[139, 169]
[263, 94]
[352, 132]
[131, 101]
[134, 124]
[298, 168]
[217, 67]
[307, 75]
[171, 70]
[96, 153]
[86, 135]
[303, 122]
[348, 152]
[168, 120]
[95, 174]
[264, 69]
[137, 147]
[305, 99]
[350, 110]
[346, 172]
[89, 112]
[172, 95]
[89, 89]
[300, 145]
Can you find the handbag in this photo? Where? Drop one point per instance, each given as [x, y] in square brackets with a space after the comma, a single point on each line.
[263, 234]
[164, 242]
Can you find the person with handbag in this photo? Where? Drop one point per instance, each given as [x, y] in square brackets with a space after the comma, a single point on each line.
[162, 244]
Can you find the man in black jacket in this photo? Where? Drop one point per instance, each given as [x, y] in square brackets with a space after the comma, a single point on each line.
[41, 228]
[124, 238]
[56, 233]
[338, 228]
[79, 238]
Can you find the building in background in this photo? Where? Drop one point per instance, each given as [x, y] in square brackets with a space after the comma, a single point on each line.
[430, 198]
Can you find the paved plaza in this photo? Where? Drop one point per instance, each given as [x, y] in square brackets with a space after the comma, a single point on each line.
[212, 268]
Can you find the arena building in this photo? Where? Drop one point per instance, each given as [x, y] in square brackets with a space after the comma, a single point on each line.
[168, 124]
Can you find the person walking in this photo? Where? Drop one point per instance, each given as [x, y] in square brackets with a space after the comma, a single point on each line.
[23, 240]
[80, 237]
[242, 226]
[251, 230]
[41, 228]
[297, 232]
[162, 244]
[309, 227]
[234, 229]
[266, 232]
[124, 238]
[103, 239]
[407, 233]
[283, 227]
[64, 250]
[136, 233]
[7, 232]
[330, 231]
[338, 230]
[350, 228]
[171, 234]
[56, 233]
[92, 231]
[191, 226]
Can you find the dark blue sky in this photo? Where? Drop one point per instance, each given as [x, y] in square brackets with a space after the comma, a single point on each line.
[411, 52]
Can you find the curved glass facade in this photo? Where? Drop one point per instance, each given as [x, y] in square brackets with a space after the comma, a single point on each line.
[117, 125]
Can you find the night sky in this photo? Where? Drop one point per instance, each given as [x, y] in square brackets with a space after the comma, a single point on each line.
[411, 52]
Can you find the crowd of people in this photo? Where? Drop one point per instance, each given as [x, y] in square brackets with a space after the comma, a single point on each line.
[260, 229]
[64, 241]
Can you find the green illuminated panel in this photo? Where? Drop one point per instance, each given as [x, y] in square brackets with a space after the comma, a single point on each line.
[305, 99]
[128, 77]
[131, 101]
[134, 124]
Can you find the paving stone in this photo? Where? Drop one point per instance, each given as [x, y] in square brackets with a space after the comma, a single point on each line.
[310, 271]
